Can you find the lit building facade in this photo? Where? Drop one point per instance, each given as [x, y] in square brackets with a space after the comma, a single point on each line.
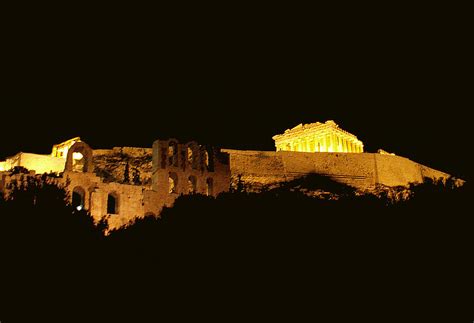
[318, 137]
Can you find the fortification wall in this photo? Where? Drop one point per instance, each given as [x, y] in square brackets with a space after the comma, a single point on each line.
[42, 163]
[360, 170]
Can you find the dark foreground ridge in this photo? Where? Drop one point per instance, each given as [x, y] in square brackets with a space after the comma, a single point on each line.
[275, 254]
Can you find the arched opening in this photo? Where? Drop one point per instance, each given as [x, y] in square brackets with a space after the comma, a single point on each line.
[209, 187]
[78, 162]
[172, 183]
[192, 156]
[208, 161]
[112, 203]
[192, 184]
[79, 158]
[78, 198]
[172, 154]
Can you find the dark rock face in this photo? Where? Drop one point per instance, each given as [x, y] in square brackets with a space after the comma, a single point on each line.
[124, 165]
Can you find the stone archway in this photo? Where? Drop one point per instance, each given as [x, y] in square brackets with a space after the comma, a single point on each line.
[79, 158]
[78, 198]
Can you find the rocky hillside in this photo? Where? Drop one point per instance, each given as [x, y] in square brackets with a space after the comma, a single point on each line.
[124, 165]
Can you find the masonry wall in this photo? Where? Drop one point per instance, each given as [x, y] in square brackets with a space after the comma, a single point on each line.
[42, 163]
[135, 200]
[361, 170]
[35, 162]
[165, 163]
[129, 198]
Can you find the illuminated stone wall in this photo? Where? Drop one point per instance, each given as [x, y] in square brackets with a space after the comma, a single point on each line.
[38, 163]
[129, 198]
[94, 178]
[258, 169]
[60, 150]
[182, 168]
[191, 166]
[318, 137]
[42, 163]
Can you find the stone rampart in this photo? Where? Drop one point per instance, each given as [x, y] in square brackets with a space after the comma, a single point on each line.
[361, 170]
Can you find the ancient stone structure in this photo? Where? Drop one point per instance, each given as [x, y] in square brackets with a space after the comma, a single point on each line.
[53, 163]
[318, 137]
[60, 150]
[259, 169]
[125, 183]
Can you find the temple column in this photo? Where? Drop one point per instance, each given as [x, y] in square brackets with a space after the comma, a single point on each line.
[306, 145]
[333, 143]
[310, 145]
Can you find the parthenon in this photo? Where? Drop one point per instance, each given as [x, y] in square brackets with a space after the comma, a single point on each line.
[318, 137]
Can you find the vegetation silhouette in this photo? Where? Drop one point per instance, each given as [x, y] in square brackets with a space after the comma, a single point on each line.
[276, 248]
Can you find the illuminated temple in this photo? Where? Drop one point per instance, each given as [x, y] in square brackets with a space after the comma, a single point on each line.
[318, 137]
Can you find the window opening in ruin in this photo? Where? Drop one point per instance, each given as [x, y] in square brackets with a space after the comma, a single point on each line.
[172, 154]
[112, 204]
[208, 161]
[78, 162]
[78, 195]
[209, 187]
[206, 158]
[190, 155]
[172, 183]
[192, 184]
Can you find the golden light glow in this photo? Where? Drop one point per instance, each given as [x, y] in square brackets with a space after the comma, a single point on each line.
[77, 156]
[318, 137]
[40, 164]
[60, 150]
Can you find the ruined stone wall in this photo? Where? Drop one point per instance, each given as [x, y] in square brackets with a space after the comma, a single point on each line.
[137, 199]
[364, 170]
[130, 203]
[42, 163]
[205, 164]
[397, 170]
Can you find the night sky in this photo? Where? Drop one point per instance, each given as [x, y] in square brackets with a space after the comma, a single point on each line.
[402, 85]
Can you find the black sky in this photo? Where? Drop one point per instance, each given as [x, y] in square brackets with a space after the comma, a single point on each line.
[399, 81]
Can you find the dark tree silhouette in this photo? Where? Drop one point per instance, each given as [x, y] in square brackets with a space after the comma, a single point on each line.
[280, 249]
